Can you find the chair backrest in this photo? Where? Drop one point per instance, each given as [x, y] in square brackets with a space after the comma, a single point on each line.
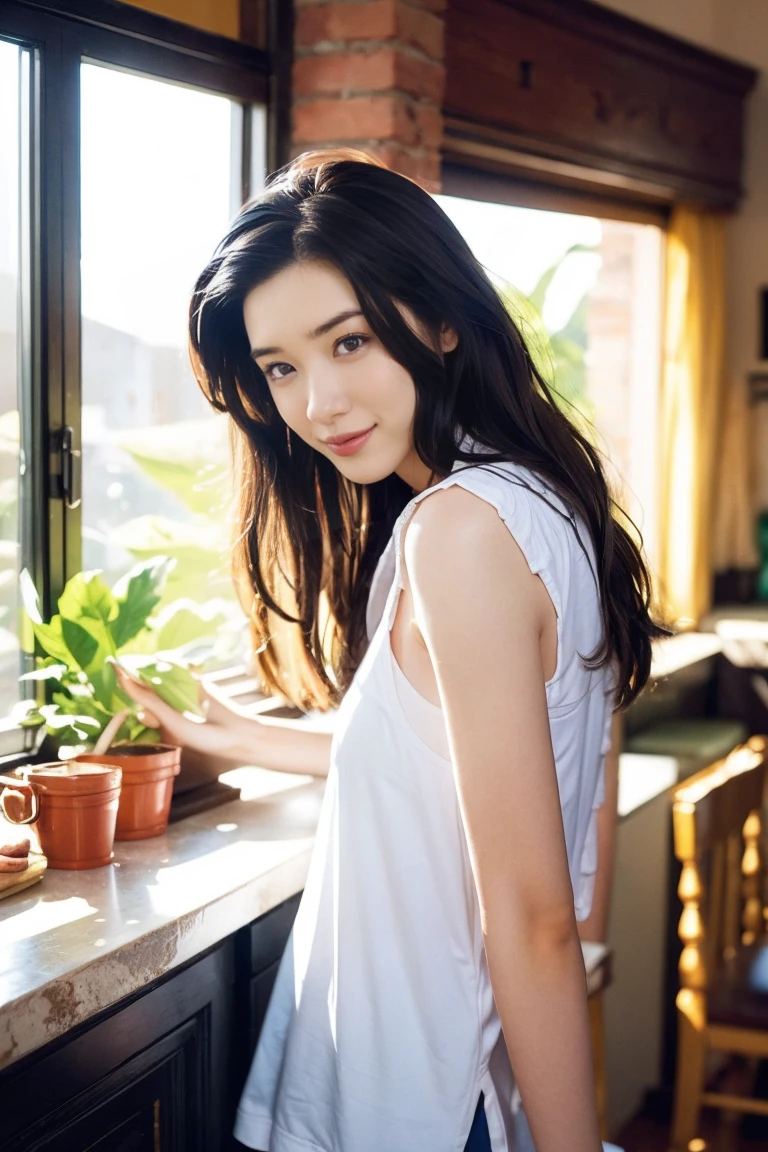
[717, 818]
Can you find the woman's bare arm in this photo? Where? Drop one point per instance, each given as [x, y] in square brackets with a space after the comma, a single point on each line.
[231, 733]
[479, 610]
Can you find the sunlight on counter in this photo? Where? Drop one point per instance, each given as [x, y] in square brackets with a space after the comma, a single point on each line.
[43, 917]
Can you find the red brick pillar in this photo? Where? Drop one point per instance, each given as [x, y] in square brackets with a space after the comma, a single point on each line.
[369, 74]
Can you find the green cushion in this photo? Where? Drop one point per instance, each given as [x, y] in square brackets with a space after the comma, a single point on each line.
[705, 740]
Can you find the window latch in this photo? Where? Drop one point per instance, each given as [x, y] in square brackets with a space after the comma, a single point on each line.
[67, 484]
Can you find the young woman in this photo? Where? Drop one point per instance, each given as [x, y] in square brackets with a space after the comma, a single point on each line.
[426, 541]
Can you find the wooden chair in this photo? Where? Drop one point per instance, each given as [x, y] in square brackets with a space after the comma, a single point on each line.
[722, 1003]
[597, 964]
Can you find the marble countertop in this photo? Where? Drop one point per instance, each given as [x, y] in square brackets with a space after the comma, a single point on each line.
[78, 942]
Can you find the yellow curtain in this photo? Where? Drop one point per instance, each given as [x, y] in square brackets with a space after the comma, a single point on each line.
[734, 544]
[691, 411]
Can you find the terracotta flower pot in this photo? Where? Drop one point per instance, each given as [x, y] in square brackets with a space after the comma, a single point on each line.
[148, 774]
[78, 810]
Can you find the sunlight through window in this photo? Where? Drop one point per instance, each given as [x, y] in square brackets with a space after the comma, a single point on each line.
[587, 293]
[160, 182]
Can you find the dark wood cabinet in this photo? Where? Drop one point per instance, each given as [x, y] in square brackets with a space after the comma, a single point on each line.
[266, 943]
[161, 1072]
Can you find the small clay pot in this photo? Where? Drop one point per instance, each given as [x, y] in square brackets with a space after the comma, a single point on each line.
[148, 774]
[78, 810]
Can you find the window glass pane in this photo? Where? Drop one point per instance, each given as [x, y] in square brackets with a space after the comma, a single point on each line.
[13, 355]
[588, 294]
[160, 179]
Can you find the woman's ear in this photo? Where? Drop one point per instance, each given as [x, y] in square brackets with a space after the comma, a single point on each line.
[448, 338]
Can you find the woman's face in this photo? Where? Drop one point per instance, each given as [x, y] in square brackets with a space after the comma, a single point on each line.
[329, 375]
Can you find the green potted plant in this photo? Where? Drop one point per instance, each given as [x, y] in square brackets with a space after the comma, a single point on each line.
[89, 717]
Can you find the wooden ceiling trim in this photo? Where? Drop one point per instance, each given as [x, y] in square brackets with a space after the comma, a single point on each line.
[580, 96]
[501, 187]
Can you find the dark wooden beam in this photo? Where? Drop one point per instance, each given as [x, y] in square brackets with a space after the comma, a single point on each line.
[569, 93]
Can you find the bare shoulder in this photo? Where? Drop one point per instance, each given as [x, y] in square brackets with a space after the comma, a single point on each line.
[453, 531]
[478, 606]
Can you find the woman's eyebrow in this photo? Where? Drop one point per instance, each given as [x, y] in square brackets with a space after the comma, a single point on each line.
[321, 330]
[329, 324]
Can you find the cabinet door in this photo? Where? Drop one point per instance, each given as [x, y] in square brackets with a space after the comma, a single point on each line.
[153, 1077]
[261, 947]
[268, 937]
[148, 1105]
[261, 990]
[269, 934]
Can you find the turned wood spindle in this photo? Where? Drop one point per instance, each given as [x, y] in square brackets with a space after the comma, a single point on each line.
[692, 965]
[752, 916]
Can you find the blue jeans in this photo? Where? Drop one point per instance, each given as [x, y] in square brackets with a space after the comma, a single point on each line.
[479, 1139]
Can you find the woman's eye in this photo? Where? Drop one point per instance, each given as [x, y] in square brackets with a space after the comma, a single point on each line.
[277, 371]
[349, 344]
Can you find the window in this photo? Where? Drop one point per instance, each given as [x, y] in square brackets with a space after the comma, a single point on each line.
[587, 292]
[159, 183]
[14, 359]
[127, 143]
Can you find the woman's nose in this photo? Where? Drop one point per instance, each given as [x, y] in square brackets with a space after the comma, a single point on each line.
[326, 400]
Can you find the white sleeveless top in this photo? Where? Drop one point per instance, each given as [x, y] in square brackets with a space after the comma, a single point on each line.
[382, 1029]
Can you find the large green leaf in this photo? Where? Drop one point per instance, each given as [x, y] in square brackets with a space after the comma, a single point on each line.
[138, 594]
[189, 458]
[82, 644]
[558, 356]
[104, 683]
[173, 684]
[52, 641]
[538, 296]
[86, 595]
[184, 621]
[71, 645]
[201, 550]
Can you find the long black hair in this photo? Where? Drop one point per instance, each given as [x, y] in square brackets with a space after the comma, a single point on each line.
[308, 539]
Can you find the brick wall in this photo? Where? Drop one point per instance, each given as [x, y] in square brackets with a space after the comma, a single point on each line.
[370, 74]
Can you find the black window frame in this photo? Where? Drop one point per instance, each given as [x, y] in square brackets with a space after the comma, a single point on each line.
[121, 36]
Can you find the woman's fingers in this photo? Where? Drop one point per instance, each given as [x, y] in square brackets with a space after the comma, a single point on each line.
[175, 727]
[148, 719]
[213, 705]
[155, 709]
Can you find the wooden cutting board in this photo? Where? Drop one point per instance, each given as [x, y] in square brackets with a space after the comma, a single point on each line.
[12, 882]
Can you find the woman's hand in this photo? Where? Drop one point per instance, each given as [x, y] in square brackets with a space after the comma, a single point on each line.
[230, 733]
[218, 734]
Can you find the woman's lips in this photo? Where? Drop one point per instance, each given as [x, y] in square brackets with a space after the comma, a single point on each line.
[349, 447]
